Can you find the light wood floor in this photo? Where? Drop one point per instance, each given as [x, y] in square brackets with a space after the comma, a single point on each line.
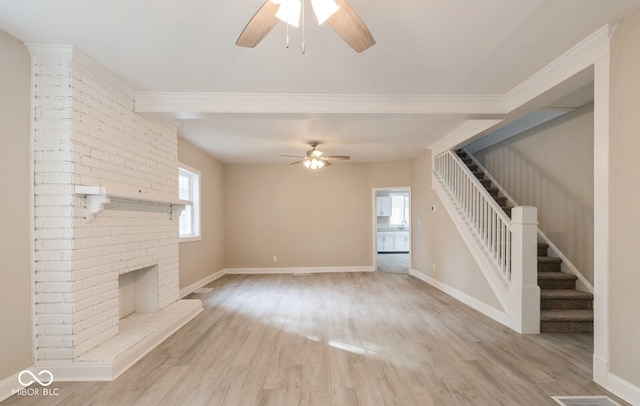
[392, 262]
[342, 339]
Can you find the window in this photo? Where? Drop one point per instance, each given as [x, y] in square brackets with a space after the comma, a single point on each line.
[189, 189]
[399, 210]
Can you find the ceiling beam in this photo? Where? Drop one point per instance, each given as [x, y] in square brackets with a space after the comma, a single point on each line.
[201, 105]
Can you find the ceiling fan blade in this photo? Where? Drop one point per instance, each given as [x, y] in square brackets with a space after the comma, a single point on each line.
[326, 163]
[292, 156]
[259, 26]
[296, 162]
[351, 28]
[338, 157]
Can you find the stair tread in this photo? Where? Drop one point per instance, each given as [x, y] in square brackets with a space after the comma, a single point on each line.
[566, 315]
[543, 245]
[557, 276]
[564, 294]
[546, 259]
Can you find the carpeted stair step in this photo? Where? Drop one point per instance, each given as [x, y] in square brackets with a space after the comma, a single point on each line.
[563, 309]
[485, 182]
[542, 249]
[566, 321]
[502, 201]
[549, 264]
[556, 280]
[565, 299]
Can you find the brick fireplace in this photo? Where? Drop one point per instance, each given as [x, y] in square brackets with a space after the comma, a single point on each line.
[90, 146]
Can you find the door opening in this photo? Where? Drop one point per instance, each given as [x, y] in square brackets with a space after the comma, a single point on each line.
[392, 229]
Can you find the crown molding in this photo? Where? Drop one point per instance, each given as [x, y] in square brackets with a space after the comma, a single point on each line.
[460, 135]
[586, 53]
[49, 50]
[199, 104]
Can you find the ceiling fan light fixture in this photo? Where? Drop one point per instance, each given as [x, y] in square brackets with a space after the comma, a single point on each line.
[289, 11]
[315, 153]
[324, 9]
[313, 163]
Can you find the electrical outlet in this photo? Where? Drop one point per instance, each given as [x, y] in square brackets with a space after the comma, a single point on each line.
[434, 266]
[275, 258]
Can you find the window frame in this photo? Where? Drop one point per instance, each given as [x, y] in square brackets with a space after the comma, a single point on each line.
[194, 176]
[404, 213]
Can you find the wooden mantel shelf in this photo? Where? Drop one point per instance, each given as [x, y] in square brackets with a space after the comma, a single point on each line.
[98, 196]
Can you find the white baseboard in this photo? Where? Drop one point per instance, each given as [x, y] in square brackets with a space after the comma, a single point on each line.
[9, 385]
[197, 285]
[491, 312]
[299, 270]
[600, 370]
[623, 389]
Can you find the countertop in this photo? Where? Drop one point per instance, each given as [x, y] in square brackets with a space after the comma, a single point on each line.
[392, 229]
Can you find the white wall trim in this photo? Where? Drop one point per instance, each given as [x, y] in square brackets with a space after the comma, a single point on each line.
[298, 270]
[601, 222]
[461, 134]
[50, 50]
[496, 285]
[581, 56]
[197, 285]
[8, 385]
[623, 389]
[201, 104]
[32, 207]
[491, 312]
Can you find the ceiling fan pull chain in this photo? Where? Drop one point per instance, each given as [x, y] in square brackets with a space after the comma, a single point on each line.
[287, 38]
[303, 1]
[287, 23]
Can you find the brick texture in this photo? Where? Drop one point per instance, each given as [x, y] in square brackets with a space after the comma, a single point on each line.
[86, 133]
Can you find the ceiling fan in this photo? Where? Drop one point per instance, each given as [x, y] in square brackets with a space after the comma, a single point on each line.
[315, 158]
[338, 13]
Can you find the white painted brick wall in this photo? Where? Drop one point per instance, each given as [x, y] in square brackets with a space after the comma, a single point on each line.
[53, 206]
[86, 133]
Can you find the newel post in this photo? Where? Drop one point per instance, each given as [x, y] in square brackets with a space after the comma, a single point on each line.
[524, 293]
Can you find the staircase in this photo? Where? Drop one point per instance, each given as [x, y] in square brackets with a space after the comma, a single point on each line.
[563, 309]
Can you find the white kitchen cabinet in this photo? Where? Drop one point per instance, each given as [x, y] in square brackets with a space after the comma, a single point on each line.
[401, 241]
[383, 206]
[386, 242]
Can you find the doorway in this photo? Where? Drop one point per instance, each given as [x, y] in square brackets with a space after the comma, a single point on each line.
[392, 229]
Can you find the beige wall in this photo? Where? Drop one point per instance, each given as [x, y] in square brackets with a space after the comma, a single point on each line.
[624, 276]
[326, 220]
[551, 167]
[391, 174]
[304, 220]
[436, 241]
[15, 251]
[200, 259]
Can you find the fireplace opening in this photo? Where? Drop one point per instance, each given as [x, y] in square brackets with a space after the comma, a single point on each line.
[138, 291]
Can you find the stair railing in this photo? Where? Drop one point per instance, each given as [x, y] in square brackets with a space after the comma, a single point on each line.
[566, 262]
[489, 221]
[509, 243]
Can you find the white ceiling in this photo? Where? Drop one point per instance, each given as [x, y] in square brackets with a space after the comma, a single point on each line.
[426, 50]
